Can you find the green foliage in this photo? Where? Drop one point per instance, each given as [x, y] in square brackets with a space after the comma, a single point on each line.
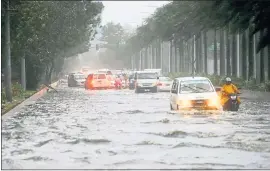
[187, 18]
[17, 90]
[3, 96]
[44, 31]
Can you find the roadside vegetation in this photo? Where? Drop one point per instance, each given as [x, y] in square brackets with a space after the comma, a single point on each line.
[45, 33]
[19, 95]
[232, 37]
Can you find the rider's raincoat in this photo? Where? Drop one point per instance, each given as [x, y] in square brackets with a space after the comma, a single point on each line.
[226, 90]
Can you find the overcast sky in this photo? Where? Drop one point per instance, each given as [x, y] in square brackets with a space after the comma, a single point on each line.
[129, 12]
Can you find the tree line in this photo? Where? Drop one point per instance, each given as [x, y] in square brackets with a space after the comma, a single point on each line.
[44, 33]
[239, 30]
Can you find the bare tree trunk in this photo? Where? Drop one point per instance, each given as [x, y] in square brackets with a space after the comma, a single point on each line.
[215, 52]
[205, 52]
[258, 59]
[170, 57]
[250, 55]
[228, 54]
[176, 59]
[193, 55]
[234, 56]
[244, 55]
[222, 53]
[262, 76]
[181, 55]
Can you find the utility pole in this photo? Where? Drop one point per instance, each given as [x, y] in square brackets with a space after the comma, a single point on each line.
[8, 89]
[23, 77]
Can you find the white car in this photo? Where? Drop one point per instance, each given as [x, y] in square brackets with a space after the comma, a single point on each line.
[158, 71]
[164, 84]
[80, 79]
[194, 93]
[100, 81]
[146, 81]
[111, 79]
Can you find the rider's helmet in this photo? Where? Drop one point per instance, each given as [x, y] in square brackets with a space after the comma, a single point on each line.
[228, 80]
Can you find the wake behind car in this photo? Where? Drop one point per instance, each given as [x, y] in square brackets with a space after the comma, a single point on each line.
[194, 93]
[76, 79]
[146, 81]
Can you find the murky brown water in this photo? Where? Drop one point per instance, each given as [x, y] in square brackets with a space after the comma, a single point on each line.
[110, 129]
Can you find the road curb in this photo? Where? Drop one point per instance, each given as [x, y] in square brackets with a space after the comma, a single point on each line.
[31, 100]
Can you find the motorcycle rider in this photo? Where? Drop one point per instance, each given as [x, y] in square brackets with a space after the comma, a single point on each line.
[227, 89]
[118, 81]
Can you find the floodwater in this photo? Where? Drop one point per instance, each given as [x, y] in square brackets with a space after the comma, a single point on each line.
[118, 129]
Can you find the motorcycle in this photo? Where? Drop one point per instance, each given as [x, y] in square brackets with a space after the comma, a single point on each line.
[232, 103]
[118, 85]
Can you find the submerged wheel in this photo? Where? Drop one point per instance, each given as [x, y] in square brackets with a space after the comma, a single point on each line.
[137, 91]
[171, 107]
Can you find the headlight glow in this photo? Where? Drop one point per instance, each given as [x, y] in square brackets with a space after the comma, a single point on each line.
[185, 103]
[213, 102]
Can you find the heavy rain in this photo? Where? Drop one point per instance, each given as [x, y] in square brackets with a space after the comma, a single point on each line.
[100, 85]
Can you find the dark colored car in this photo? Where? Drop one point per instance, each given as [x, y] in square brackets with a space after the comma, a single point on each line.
[131, 81]
[71, 80]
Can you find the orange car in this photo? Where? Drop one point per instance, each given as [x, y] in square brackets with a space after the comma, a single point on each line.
[88, 82]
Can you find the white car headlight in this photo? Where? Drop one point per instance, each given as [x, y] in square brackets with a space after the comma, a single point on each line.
[214, 102]
[139, 84]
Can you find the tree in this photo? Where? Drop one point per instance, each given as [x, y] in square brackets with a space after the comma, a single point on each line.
[46, 30]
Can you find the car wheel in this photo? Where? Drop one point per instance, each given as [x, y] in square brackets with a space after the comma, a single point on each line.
[154, 90]
[137, 91]
[171, 107]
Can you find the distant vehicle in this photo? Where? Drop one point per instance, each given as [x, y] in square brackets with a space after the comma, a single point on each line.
[111, 79]
[145, 81]
[85, 69]
[194, 93]
[75, 79]
[105, 71]
[115, 72]
[158, 71]
[99, 81]
[164, 84]
[131, 81]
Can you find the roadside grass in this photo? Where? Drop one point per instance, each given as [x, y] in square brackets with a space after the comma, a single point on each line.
[220, 80]
[18, 96]
[7, 106]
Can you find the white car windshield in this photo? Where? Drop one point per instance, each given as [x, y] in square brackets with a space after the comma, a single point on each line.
[79, 76]
[147, 76]
[196, 86]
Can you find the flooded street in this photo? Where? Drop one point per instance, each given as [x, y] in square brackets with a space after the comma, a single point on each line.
[113, 129]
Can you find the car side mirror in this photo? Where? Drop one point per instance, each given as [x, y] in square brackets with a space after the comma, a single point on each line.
[218, 89]
[157, 77]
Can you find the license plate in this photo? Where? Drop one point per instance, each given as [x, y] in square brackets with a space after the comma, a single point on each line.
[146, 90]
[167, 84]
[199, 102]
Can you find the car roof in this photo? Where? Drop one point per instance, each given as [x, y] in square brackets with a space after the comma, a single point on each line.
[191, 78]
[145, 71]
[78, 74]
[98, 73]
